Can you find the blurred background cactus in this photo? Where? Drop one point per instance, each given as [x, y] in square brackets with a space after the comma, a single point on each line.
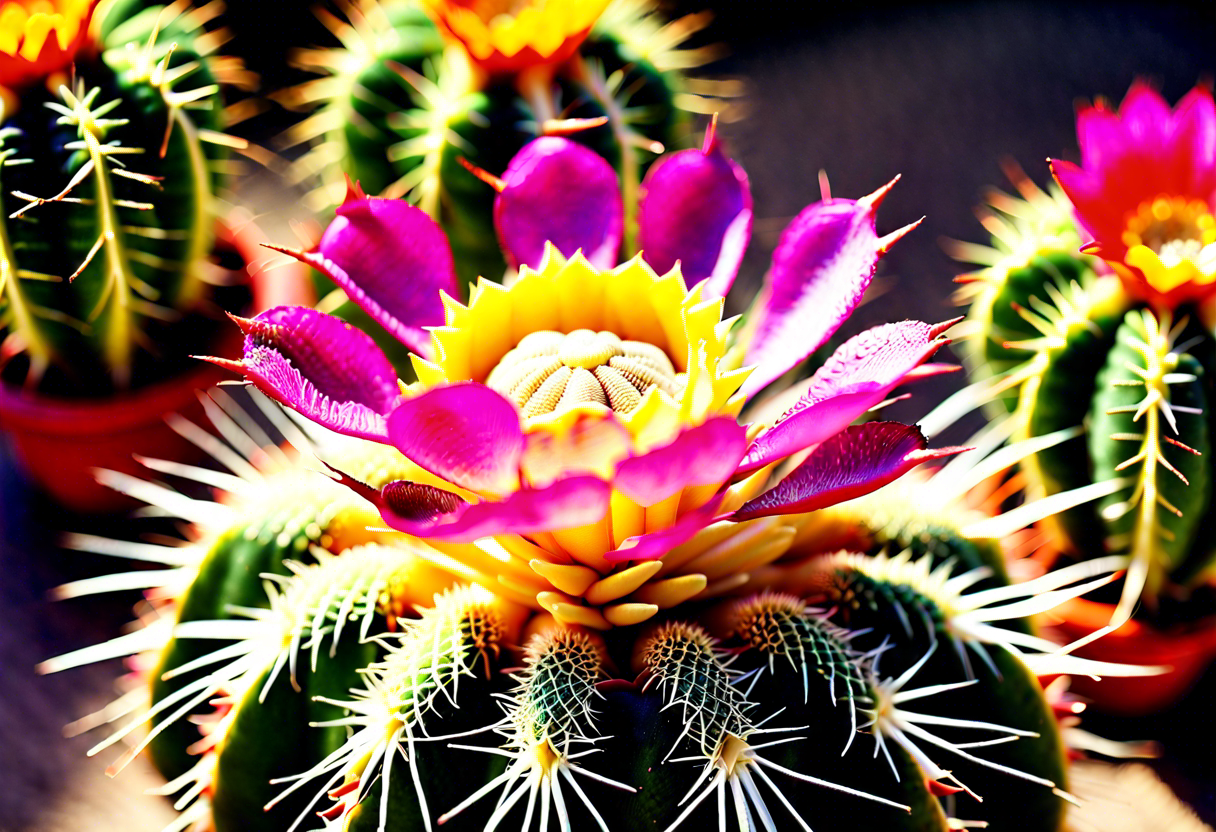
[1092, 313]
[417, 85]
[113, 149]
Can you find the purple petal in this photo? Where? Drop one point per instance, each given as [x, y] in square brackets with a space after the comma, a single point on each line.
[656, 544]
[393, 261]
[859, 375]
[322, 367]
[466, 433]
[696, 209]
[705, 455]
[856, 461]
[428, 512]
[821, 268]
[559, 192]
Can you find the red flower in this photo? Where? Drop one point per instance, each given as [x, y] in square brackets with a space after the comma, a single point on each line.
[1146, 191]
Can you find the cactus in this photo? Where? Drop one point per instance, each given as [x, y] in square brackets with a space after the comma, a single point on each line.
[107, 186]
[371, 689]
[606, 602]
[408, 98]
[1113, 338]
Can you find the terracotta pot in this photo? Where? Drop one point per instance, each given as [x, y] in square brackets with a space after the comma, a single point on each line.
[60, 441]
[1188, 650]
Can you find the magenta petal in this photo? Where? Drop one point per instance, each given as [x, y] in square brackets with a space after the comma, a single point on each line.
[560, 192]
[705, 455]
[656, 544]
[822, 266]
[322, 367]
[433, 514]
[859, 375]
[466, 433]
[696, 209]
[393, 261]
[856, 461]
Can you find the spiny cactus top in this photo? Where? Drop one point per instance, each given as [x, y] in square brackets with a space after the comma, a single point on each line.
[584, 422]
[418, 86]
[107, 187]
[1115, 337]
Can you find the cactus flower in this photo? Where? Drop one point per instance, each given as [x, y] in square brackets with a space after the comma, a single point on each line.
[577, 434]
[39, 38]
[1146, 192]
[512, 36]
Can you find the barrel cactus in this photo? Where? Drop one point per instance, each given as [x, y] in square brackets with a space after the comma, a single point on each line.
[605, 600]
[376, 688]
[111, 140]
[418, 88]
[1091, 312]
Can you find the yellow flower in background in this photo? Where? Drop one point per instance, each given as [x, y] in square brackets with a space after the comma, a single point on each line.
[41, 37]
[513, 35]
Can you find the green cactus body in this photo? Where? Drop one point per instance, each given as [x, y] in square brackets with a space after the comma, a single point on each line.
[254, 750]
[1070, 350]
[924, 632]
[793, 648]
[109, 220]
[365, 688]
[312, 641]
[230, 579]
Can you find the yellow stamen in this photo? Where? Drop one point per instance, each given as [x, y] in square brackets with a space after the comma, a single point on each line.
[1172, 241]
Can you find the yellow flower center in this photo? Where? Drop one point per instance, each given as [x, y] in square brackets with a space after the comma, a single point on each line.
[513, 35]
[1172, 241]
[549, 371]
[25, 25]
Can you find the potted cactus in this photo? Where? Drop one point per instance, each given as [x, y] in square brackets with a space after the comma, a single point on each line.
[1093, 313]
[113, 271]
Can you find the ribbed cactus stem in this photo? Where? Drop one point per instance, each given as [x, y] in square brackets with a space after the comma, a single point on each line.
[120, 329]
[24, 334]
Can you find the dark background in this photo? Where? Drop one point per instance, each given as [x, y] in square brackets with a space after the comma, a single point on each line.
[937, 92]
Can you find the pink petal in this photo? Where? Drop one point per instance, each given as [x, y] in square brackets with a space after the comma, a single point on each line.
[859, 375]
[821, 268]
[320, 366]
[656, 544]
[1195, 141]
[705, 455]
[1099, 135]
[696, 210]
[558, 191]
[433, 514]
[856, 461]
[1101, 218]
[393, 261]
[1146, 116]
[466, 433]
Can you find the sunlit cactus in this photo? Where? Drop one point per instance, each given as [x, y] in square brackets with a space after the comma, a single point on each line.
[1090, 315]
[111, 154]
[619, 588]
[419, 87]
